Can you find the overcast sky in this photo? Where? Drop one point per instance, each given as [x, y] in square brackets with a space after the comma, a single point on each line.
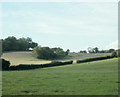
[67, 25]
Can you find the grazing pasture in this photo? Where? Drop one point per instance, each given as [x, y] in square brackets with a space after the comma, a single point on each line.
[93, 78]
[25, 57]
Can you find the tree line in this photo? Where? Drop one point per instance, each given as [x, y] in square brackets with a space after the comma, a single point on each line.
[96, 50]
[13, 44]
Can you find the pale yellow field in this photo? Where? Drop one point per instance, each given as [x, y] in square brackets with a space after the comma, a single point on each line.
[17, 58]
[25, 57]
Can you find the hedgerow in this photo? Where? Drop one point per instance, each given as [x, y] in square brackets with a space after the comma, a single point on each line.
[94, 59]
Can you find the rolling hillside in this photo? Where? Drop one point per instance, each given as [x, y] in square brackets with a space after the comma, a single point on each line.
[25, 57]
[93, 78]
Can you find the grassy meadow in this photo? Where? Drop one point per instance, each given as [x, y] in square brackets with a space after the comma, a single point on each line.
[93, 78]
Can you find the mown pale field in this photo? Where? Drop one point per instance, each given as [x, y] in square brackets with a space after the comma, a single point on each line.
[25, 57]
[93, 78]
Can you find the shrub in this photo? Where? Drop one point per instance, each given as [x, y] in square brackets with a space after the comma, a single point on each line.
[116, 53]
[5, 64]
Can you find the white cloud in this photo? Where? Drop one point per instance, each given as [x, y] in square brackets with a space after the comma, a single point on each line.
[113, 45]
[49, 23]
[80, 22]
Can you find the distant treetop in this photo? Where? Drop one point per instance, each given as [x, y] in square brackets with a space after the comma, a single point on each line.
[13, 44]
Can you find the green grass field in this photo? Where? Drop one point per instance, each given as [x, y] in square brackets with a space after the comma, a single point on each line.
[93, 78]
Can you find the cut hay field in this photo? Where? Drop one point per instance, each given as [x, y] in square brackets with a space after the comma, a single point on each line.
[24, 57]
[93, 78]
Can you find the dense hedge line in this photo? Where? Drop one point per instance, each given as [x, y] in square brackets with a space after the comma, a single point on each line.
[57, 63]
[5, 64]
[32, 66]
[94, 59]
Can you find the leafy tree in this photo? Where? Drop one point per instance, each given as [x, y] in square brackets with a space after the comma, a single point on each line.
[96, 50]
[33, 44]
[44, 53]
[9, 44]
[29, 40]
[54, 49]
[13, 44]
[48, 53]
[116, 53]
[35, 51]
[111, 50]
[93, 50]
[0, 47]
[84, 51]
[67, 52]
[23, 44]
[60, 53]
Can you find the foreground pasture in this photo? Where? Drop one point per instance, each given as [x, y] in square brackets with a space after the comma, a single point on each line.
[93, 78]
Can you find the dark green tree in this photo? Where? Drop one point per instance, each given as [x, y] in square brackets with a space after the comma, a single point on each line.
[116, 53]
[84, 51]
[48, 53]
[67, 52]
[13, 44]
[96, 50]
[23, 44]
[60, 53]
[111, 50]
[9, 44]
[44, 53]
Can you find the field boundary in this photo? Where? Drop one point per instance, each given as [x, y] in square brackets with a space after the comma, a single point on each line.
[54, 63]
[34, 66]
[94, 59]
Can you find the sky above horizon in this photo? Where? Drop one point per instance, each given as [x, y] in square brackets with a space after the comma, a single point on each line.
[69, 25]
